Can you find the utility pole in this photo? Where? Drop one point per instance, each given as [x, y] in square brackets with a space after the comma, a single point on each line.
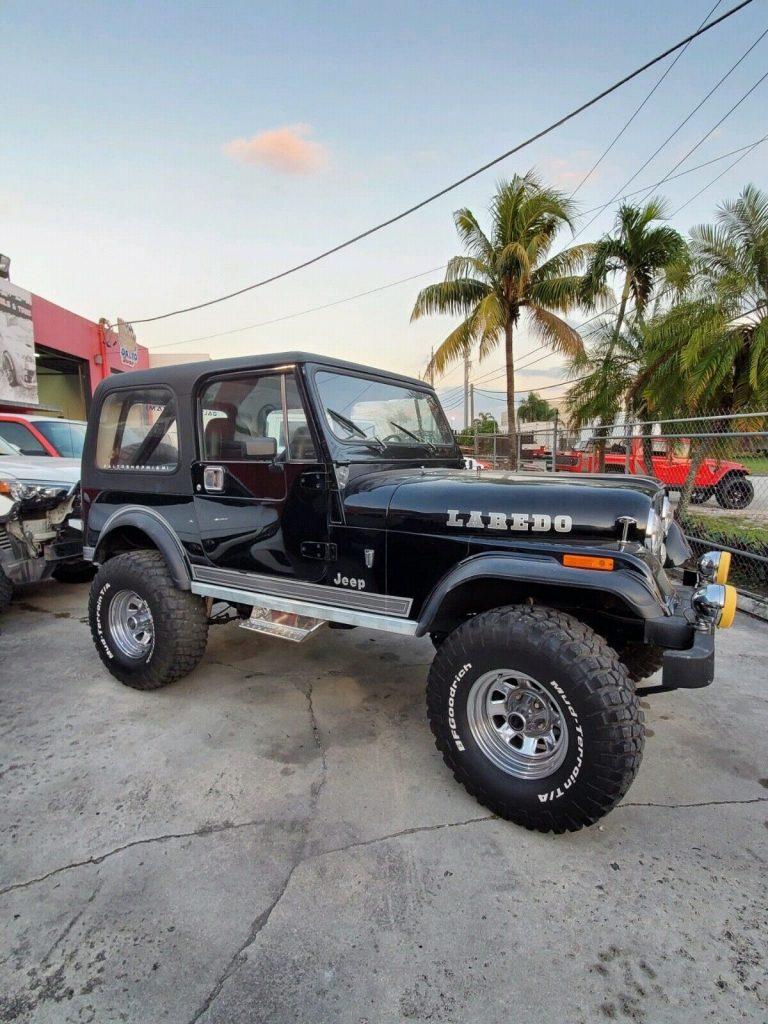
[471, 405]
[432, 367]
[466, 389]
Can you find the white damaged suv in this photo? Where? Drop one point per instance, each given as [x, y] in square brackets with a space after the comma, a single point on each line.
[40, 532]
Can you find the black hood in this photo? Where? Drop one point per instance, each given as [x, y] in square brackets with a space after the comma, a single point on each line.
[541, 506]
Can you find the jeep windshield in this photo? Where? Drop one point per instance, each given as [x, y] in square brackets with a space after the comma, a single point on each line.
[388, 415]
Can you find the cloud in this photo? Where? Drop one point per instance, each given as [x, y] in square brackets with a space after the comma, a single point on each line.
[567, 173]
[285, 149]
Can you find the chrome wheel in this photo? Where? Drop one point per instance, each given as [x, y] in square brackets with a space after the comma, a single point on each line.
[517, 723]
[130, 624]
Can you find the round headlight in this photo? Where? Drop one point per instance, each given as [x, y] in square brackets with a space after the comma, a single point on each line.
[654, 532]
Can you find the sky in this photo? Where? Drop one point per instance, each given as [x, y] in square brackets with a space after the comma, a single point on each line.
[156, 155]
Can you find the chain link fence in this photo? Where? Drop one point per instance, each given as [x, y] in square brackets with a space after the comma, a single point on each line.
[715, 469]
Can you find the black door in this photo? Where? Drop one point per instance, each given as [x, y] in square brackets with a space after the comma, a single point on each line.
[260, 489]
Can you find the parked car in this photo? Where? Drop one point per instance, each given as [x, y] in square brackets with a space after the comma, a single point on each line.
[671, 463]
[255, 494]
[43, 435]
[40, 529]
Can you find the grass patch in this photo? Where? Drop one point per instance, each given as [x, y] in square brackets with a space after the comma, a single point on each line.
[757, 464]
[752, 539]
[729, 529]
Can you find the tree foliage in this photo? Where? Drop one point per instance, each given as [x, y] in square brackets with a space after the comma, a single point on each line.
[508, 272]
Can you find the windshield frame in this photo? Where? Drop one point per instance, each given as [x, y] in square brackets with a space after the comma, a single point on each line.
[373, 449]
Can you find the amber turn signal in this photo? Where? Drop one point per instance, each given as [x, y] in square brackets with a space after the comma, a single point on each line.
[588, 562]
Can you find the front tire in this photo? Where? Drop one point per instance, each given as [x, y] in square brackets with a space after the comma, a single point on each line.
[147, 632]
[535, 715]
[736, 493]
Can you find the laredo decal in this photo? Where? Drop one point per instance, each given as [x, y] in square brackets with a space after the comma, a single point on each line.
[535, 522]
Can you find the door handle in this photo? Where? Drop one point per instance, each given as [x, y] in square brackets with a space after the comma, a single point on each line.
[213, 479]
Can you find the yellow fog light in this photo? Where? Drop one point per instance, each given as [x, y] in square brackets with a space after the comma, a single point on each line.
[728, 613]
[723, 567]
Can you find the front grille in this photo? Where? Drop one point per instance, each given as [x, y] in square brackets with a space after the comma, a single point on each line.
[5, 540]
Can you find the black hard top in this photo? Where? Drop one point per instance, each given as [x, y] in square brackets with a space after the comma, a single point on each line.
[183, 376]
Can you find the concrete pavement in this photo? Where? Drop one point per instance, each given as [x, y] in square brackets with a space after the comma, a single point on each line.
[276, 839]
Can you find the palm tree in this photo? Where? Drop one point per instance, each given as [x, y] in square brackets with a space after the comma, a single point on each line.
[711, 347]
[505, 273]
[640, 250]
[708, 353]
[535, 409]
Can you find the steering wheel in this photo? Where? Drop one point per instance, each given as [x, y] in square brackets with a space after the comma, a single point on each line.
[391, 439]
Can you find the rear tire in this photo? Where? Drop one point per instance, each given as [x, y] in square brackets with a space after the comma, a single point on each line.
[735, 492]
[147, 632]
[6, 591]
[581, 739]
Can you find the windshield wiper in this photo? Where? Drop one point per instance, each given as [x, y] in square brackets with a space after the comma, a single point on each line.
[353, 428]
[426, 444]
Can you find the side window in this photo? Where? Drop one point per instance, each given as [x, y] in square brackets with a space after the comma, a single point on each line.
[137, 430]
[24, 439]
[242, 416]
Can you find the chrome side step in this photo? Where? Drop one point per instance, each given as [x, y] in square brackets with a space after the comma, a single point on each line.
[323, 612]
[285, 625]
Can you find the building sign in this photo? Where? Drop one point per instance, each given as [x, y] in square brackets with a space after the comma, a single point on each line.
[18, 372]
[129, 349]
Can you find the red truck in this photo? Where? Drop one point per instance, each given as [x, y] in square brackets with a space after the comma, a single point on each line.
[724, 479]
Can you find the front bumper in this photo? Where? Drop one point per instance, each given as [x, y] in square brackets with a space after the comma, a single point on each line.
[689, 649]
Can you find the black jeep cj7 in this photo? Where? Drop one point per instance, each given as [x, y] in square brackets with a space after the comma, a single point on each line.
[291, 491]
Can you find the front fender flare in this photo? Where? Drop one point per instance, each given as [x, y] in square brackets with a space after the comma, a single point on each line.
[159, 532]
[630, 587]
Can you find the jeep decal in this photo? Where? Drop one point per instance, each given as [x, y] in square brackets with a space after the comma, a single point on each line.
[536, 522]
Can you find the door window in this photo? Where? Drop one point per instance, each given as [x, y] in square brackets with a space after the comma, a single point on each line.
[241, 416]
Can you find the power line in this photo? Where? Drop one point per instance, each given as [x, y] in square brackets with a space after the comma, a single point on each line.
[460, 181]
[669, 138]
[425, 273]
[719, 176]
[680, 174]
[303, 312]
[723, 118]
[637, 110]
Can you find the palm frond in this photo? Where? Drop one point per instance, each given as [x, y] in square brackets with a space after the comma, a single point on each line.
[452, 298]
[554, 331]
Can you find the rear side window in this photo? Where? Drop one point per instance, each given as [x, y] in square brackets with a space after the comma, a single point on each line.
[138, 431]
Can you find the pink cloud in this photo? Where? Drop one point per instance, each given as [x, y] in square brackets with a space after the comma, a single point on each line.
[285, 149]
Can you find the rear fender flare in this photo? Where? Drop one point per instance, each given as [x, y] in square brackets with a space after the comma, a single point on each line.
[159, 531]
[630, 587]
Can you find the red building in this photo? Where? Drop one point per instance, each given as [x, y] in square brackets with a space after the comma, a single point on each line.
[52, 359]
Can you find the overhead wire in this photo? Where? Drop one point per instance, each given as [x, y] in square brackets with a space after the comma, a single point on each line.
[637, 109]
[455, 184]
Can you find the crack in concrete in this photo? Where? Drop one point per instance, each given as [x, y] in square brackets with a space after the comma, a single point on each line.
[702, 803]
[204, 830]
[260, 922]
